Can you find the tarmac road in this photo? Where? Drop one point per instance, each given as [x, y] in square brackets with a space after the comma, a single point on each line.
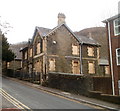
[30, 98]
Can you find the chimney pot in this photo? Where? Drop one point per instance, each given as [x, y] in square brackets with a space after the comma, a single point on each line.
[61, 18]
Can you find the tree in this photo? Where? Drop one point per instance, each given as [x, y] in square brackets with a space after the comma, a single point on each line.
[7, 54]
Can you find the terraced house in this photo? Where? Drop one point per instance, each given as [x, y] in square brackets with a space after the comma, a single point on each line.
[60, 50]
[113, 37]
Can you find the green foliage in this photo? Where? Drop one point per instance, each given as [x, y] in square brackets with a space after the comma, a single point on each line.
[7, 54]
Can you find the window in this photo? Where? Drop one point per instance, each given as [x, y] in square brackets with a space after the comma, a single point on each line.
[98, 53]
[43, 45]
[26, 55]
[38, 66]
[30, 68]
[52, 64]
[107, 70]
[117, 26]
[8, 64]
[91, 67]
[38, 48]
[118, 56]
[31, 52]
[90, 51]
[75, 50]
[75, 67]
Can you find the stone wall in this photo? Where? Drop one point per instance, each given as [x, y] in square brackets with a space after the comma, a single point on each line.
[102, 84]
[15, 65]
[78, 84]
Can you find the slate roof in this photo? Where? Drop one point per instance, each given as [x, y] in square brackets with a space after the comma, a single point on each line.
[103, 62]
[24, 48]
[86, 40]
[43, 31]
[82, 39]
[98, 34]
[111, 18]
[52, 30]
[57, 27]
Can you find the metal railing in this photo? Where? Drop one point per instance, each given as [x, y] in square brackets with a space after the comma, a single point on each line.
[31, 77]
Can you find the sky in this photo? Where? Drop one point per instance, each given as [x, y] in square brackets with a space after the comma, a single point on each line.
[24, 15]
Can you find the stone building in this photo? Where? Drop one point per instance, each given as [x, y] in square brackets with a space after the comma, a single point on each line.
[61, 50]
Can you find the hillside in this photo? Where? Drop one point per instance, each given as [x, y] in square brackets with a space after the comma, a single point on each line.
[16, 48]
[99, 34]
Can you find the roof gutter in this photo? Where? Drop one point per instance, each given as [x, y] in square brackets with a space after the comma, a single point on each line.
[111, 61]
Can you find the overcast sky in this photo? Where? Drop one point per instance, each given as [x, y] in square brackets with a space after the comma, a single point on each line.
[24, 15]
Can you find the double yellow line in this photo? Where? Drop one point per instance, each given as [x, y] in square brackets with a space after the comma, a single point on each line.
[14, 101]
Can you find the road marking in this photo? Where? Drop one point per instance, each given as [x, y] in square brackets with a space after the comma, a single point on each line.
[11, 101]
[14, 101]
[94, 105]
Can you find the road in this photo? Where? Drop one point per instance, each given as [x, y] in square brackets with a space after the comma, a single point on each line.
[28, 97]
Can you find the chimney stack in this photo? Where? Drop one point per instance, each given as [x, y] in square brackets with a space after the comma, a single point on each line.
[90, 35]
[61, 18]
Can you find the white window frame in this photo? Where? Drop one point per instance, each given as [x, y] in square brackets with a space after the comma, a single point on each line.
[117, 56]
[115, 33]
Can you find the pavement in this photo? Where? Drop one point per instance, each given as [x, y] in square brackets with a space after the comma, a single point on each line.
[7, 106]
[80, 98]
